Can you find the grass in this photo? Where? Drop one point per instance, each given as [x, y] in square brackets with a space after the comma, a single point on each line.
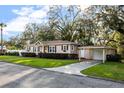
[112, 70]
[37, 62]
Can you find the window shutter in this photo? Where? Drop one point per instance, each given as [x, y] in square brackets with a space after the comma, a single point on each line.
[67, 47]
[62, 47]
[55, 48]
[48, 49]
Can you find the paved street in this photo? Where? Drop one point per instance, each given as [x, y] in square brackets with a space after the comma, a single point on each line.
[12, 76]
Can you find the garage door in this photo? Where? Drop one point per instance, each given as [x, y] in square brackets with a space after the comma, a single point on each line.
[97, 54]
[82, 53]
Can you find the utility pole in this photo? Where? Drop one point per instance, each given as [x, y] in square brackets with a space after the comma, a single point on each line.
[2, 25]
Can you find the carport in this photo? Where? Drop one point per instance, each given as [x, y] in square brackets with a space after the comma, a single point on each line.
[95, 52]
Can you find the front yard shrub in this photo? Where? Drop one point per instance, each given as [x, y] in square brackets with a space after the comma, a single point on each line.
[12, 53]
[115, 58]
[58, 55]
[28, 54]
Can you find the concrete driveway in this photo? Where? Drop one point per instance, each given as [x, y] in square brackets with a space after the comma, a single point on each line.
[76, 67]
[17, 76]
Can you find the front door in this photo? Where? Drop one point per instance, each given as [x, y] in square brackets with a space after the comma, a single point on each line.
[45, 49]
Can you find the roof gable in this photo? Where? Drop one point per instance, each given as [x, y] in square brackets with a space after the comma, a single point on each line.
[38, 42]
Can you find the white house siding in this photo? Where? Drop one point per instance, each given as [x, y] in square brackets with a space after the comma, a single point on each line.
[40, 48]
[59, 49]
[74, 50]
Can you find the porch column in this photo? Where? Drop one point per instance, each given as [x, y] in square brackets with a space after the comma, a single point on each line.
[42, 49]
[103, 55]
[36, 50]
[79, 55]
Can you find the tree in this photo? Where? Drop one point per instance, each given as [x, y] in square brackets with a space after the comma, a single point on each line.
[2, 25]
[64, 20]
[31, 32]
[109, 21]
[85, 31]
[46, 33]
[111, 16]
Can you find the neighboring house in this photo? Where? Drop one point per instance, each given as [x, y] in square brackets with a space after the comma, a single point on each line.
[56, 46]
[4, 49]
[95, 52]
[19, 51]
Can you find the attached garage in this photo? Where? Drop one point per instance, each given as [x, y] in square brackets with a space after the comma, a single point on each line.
[95, 52]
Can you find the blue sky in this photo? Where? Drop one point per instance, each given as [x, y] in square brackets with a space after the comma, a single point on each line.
[16, 16]
[6, 13]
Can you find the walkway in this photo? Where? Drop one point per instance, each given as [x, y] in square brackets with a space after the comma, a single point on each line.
[75, 68]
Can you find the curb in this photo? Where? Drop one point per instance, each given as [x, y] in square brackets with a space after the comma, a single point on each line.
[107, 79]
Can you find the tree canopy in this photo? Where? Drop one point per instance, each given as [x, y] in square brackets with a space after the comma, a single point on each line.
[96, 25]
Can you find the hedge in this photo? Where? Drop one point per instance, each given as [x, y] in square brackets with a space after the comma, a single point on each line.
[58, 55]
[28, 54]
[12, 53]
[112, 57]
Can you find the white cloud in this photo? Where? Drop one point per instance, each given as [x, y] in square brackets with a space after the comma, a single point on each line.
[26, 15]
[17, 24]
[38, 14]
[24, 11]
[29, 14]
[83, 7]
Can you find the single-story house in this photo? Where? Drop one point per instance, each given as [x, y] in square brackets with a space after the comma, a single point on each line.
[56, 46]
[95, 52]
[67, 47]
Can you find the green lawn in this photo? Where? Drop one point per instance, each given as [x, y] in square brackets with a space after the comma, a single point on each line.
[112, 70]
[37, 62]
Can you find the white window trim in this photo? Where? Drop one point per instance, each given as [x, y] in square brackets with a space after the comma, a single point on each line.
[51, 49]
[65, 48]
[72, 47]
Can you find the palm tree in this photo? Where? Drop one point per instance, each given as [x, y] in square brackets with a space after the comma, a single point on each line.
[2, 25]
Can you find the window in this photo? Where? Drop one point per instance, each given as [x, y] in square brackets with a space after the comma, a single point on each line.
[39, 49]
[28, 48]
[52, 49]
[72, 47]
[64, 48]
[34, 49]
